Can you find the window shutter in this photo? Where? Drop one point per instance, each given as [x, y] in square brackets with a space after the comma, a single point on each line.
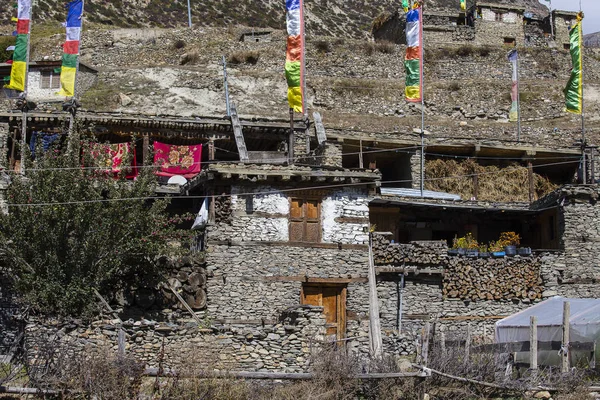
[46, 79]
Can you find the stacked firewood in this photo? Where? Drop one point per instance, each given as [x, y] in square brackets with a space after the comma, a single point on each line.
[431, 253]
[188, 279]
[492, 279]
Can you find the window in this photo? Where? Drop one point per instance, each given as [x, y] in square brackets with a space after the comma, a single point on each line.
[567, 46]
[510, 42]
[305, 220]
[50, 80]
[499, 17]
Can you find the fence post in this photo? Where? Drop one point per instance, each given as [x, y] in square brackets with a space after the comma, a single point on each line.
[533, 345]
[426, 343]
[565, 336]
[468, 343]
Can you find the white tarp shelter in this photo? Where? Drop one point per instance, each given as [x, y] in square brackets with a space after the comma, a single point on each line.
[584, 324]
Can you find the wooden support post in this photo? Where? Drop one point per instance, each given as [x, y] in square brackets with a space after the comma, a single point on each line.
[475, 186]
[146, 150]
[533, 345]
[468, 344]
[291, 139]
[531, 181]
[374, 322]
[121, 343]
[12, 151]
[565, 353]
[211, 208]
[360, 156]
[443, 341]
[425, 352]
[211, 150]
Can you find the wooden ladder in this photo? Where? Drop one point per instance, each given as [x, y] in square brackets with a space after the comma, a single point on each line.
[238, 134]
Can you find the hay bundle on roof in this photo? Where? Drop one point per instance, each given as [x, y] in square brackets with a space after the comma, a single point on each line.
[506, 184]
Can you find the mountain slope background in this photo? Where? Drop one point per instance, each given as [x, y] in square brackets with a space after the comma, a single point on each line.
[351, 18]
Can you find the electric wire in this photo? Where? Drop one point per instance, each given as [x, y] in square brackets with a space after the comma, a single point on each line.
[265, 193]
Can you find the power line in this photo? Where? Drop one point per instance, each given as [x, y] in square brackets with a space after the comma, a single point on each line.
[273, 191]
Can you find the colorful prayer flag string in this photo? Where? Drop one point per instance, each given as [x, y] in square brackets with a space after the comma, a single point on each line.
[18, 72]
[68, 73]
[294, 63]
[413, 63]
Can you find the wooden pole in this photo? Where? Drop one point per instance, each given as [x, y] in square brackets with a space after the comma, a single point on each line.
[533, 345]
[425, 352]
[211, 150]
[374, 323]
[291, 139]
[468, 344]
[565, 336]
[146, 150]
[360, 156]
[531, 181]
[475, 186]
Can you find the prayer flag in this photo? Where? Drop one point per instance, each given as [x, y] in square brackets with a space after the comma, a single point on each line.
[294, 63]
[574, 90]
[463, 5]
[413, 62]
[18, 73]
[405, 5]
[70, 61]
[513, 115]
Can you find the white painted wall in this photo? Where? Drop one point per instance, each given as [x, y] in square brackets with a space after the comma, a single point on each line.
[270, 217]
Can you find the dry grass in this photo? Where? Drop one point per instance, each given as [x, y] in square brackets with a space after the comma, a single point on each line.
[494, 183]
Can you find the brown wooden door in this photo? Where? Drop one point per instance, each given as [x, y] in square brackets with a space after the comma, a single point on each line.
[333, 300]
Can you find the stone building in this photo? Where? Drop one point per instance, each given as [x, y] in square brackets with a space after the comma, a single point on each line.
[281, 265]
[485, 23]
[44, 79]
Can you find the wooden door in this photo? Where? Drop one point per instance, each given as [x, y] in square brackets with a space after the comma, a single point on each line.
[333, 300]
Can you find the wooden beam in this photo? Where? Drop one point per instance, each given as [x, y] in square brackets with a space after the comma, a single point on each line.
[307, 245]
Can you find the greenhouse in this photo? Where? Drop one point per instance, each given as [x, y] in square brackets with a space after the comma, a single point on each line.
[584, 323]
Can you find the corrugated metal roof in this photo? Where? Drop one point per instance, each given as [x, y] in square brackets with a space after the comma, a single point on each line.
[428, 194]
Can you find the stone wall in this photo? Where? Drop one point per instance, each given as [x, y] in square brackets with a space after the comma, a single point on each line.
[265, 215]
[282, 345]
[490, 32]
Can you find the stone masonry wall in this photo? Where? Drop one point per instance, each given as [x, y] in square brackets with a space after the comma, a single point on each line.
[265, 216]
[281, 345]
[490, 32]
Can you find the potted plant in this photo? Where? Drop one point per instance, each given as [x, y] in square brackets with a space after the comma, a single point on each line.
[484, 251]
[524, 251]
[510, 240]
[497, 249]
[466, 245]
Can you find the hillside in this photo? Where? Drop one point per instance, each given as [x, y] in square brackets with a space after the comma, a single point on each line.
[592, 40]
[324, 17]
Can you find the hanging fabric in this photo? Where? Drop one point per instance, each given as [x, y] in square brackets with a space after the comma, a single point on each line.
[177, 160]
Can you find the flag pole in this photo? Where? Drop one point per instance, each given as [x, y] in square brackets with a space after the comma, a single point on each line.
[518, 103]
[583, 143]
[422, 105]
[73, 109]
[24, 109]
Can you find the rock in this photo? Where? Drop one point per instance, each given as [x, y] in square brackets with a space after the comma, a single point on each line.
[542, 395]
[145, 298]
[124, 99]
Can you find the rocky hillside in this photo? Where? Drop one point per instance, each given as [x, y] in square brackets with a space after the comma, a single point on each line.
[592, 40]
[350, 18]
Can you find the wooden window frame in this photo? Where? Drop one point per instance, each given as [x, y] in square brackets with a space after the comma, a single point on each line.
[499, 16]
[49, 80]
[305, 220]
